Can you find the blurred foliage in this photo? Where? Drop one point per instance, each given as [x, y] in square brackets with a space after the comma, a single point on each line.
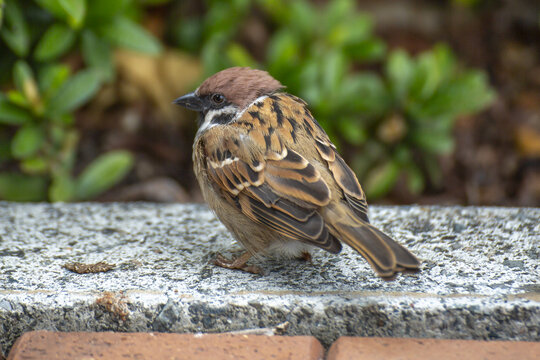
[391, 113]
[467, 3]
[397, 121]
[37, 112]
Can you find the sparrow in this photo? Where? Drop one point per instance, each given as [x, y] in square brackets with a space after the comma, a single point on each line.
[275, 180]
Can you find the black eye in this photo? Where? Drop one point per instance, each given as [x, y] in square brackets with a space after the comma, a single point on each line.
[218, 98]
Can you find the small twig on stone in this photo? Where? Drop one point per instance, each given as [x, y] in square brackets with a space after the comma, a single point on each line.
[81, 268]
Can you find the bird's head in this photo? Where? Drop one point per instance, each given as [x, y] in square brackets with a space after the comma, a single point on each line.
[224, 95]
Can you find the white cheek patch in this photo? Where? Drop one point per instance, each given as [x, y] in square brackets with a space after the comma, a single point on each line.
[211, 114]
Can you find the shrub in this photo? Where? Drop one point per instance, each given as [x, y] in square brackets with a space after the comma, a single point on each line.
[37, 112]
[396, 121]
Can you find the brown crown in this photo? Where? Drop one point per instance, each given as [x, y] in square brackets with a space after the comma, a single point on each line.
[240, 85]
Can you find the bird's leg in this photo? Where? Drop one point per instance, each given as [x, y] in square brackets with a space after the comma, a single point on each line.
[238, 263]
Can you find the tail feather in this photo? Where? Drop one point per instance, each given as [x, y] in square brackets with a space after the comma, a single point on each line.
[385, 256]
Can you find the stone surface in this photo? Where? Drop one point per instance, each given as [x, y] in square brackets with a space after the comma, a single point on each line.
[40, 345]
[479, 276]
[377, 348]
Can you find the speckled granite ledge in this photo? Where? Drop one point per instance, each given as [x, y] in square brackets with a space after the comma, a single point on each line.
[479, 276]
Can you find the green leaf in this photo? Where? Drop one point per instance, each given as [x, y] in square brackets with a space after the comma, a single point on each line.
[303, 18]
[187, 34]
[27, 141]
[74, 92]
[15, 31]
[62, 188]
[465, 94]
[415, 179]
[350, 32]
[308, 87]
[17, 98]
[13, 115]
[433, 169]
[126, 33]
[75, 9]
[153, 2]
[211, 55]
[224, 18]
[381, 179]
[25, 82]
[54, 43]
[34, 165]
[282, 52]
[104, 10]
[337, 10]
[352, 131]
[433, 142]
[363, 93]
[51, 77]
[334, 66]
[433, 68]
[17, 187]
[54, 7]
[367, 50]
[97, 55]
[399, 70]
[239, 56]
[1, 12]
[103, 173]
[5, 148]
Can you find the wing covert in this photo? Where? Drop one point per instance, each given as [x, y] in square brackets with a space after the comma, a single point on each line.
[269, 183]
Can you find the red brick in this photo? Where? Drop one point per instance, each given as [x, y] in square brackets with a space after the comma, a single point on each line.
[109, 345]
[418, 349]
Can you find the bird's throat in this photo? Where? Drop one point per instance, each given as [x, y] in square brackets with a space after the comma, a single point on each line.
[215, 117]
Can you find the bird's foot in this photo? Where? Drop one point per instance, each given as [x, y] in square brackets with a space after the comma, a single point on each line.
[238, 263]
[305, 256]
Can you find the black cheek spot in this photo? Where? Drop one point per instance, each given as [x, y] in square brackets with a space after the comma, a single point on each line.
[222, 119]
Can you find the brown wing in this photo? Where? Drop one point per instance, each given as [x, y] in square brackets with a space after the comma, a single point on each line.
[344, 176]
[271, 184]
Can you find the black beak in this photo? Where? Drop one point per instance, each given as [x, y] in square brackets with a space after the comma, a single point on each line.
[190, 101]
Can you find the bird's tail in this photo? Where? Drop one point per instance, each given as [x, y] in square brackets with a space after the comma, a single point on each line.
[385, 255]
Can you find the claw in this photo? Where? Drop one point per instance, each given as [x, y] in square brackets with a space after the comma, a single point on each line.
[305, 256]
[238, 263]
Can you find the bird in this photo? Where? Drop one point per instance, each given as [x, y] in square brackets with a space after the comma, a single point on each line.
[272, 176]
